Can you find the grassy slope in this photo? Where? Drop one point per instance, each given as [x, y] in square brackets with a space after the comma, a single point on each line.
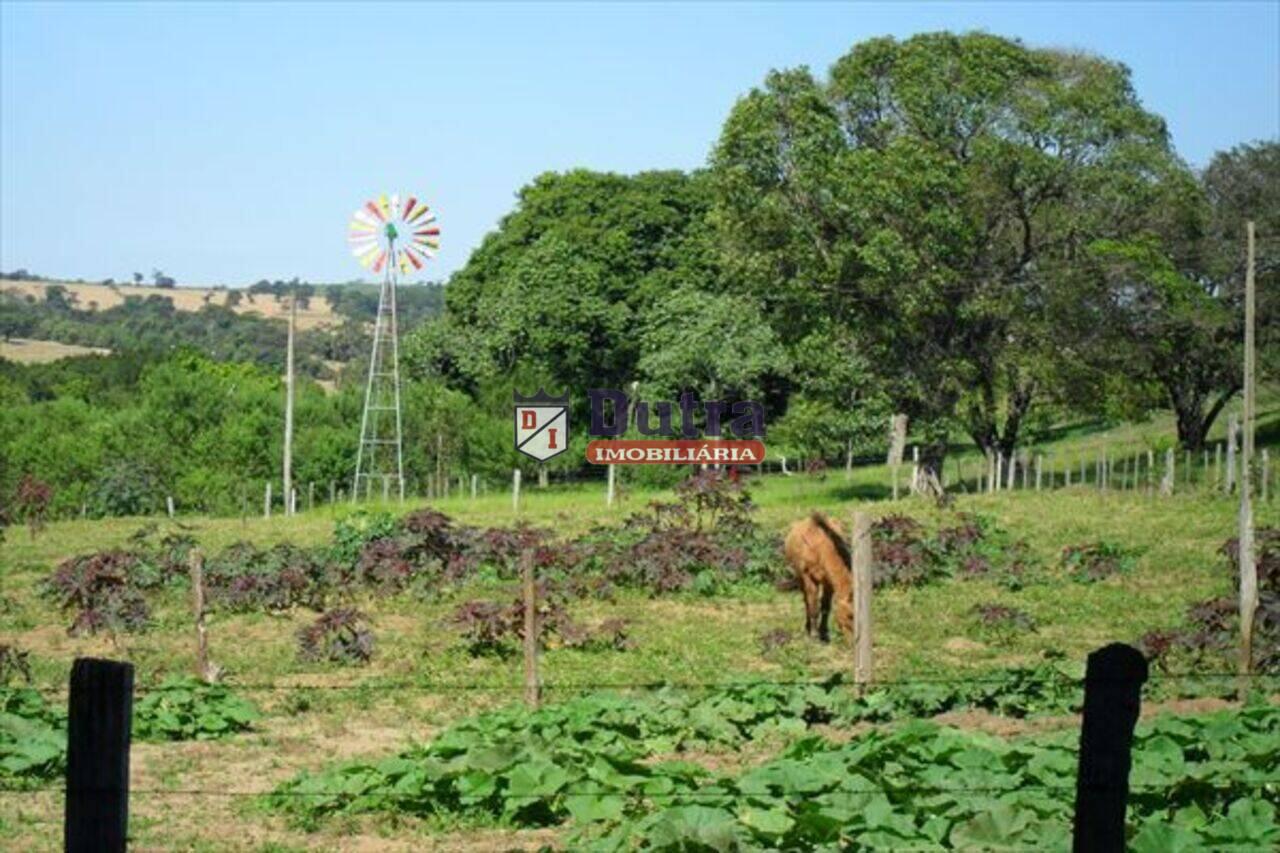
[919, 632]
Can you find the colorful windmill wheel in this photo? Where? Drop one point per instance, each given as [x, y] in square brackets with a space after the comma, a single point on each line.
[387, 232]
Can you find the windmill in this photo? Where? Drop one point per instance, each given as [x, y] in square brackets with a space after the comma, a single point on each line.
[391, 238]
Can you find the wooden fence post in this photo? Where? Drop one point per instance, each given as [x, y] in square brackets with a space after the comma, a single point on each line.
[100, 713]
[266, 503]
[1233, 430]
[168, 501]
[1112, 698]
[611, 490]
[1039, 467]
[475, 484]
[532, 688]
[515, 490]
[203, 670]
[1166, 484]
[862, 557]
[311, 496]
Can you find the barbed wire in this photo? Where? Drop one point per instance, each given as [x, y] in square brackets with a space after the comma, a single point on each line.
[834, 679]
[640, 794]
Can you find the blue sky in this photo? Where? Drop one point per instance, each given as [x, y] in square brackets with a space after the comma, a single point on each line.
[227, 143]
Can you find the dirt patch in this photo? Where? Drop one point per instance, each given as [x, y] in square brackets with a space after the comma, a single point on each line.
[962, 645]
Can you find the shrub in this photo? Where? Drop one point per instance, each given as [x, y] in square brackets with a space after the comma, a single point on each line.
[902, 554]
[1095, 561]
[352, 533]
[491, 628]
[161, 554]
[486, 627]
[341, 636]
[1002, 621]
[1212, 629]
[97, 588]
[243, 578]
[189, 709]
[31, 501]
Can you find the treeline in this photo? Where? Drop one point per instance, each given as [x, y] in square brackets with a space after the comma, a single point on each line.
[974, 233]
[118, 434]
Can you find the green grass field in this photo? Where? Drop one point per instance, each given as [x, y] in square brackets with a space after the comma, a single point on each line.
[927, 631]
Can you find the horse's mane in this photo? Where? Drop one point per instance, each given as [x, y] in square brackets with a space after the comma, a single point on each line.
[841, 546]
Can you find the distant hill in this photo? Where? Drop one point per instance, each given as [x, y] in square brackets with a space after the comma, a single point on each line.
[316, 313]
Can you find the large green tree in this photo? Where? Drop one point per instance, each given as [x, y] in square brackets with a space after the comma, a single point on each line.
[930, 196]
[1172, 296]
[565, 279]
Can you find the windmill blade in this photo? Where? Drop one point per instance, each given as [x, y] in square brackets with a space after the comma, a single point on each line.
[395, 206]
[422, 211]
[413, 258]
[365, 219]
[408, 208]
[375, 210]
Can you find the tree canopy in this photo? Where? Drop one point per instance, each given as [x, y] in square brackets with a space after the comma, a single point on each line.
[929, 195]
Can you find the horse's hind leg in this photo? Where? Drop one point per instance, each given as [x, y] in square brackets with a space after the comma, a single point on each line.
[824, 633]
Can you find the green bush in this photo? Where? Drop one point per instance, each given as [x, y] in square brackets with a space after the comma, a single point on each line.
[33, 738]
[186, 708]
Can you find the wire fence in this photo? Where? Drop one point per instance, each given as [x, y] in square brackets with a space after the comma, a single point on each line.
[831, 679]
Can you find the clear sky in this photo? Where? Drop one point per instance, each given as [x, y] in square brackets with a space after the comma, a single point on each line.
[226, 143]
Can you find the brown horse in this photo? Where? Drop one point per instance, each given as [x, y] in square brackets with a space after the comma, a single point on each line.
[816, 551]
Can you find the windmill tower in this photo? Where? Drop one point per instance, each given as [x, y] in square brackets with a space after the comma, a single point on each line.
[389, 238]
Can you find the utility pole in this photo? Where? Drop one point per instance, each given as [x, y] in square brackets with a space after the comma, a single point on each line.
[288, 405]
[1248, 565]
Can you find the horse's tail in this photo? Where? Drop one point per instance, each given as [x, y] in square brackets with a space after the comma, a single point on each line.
[841, 546]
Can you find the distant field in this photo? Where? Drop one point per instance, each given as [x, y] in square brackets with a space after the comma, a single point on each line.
[92, 297]
[39, 352]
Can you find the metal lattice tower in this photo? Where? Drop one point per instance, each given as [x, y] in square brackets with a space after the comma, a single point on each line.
[390, 238]
[380, 459]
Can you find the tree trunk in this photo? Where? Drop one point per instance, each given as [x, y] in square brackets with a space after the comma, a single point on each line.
[984, 427]
[929, 476]
[1193, 421]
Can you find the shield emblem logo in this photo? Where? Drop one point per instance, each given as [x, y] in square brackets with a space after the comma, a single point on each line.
[542, 425]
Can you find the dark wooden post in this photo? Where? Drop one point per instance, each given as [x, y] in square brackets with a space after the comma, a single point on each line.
[100, 712]
[1112, 697]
